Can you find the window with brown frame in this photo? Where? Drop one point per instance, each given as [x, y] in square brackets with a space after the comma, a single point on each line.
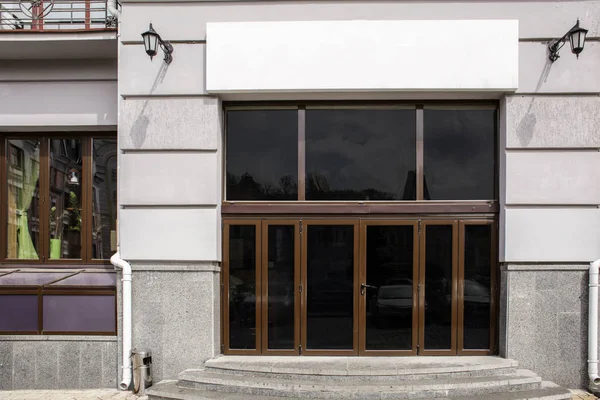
[388, 152]
[59, 210]
[59, 207]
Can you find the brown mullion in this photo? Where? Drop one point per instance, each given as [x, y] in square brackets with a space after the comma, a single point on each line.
[494, 292]
[86, 200]
[461, 288]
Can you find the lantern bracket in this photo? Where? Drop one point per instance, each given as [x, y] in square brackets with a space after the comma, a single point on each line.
[165, 45]
[555, 45]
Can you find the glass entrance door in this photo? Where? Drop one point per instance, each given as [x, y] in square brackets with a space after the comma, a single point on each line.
[359, 287]
[330, 276]
[389, 287]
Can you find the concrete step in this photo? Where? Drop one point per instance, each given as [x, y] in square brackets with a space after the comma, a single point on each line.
[367, 368]
[547, 391]
[358, 388]
[168, 390]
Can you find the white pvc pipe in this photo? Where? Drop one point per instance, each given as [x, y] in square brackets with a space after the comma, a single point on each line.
[593, 324]
[111, 6]
[118, 262]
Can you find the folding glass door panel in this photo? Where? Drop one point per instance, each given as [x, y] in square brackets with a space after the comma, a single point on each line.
[281, 282]
[438, 287]
[388, 287]
[241, 284]
[477, 279]
[329, 276]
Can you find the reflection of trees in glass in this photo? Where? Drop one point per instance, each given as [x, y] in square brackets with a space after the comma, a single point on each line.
[245, 187]
[104, 197]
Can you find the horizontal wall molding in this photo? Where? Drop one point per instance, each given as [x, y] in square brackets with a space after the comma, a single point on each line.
[212, 267]
[544, 267]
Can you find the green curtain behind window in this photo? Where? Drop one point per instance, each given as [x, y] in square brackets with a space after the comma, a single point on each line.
[30, 178]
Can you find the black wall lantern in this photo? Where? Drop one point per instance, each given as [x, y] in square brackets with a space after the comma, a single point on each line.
[151, 42]
[576, 36]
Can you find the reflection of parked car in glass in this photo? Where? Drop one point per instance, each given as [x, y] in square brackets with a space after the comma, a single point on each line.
[393, 305]
[477, 303]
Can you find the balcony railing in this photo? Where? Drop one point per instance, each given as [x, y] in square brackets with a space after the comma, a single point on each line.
[53, 15]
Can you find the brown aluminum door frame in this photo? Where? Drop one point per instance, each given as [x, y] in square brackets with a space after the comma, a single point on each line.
[333, 352]
[265, 287]
[493, 285]
[454, 305]
[363, 279]
[225, 287]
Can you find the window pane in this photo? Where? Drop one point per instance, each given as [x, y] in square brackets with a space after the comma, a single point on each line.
[79, 313]
[262, 155]
[330, 287]
[18, 313]
[477, 286]
[360, 154]
[389, 295]
[66, 208]
[242, 286]
[104, 197]
[438, 287]
[280, 275]
[459, 154]
[23, 224]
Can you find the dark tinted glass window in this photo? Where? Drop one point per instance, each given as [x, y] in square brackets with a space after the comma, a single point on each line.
[360, 154]
[459, 154]
[262, 155]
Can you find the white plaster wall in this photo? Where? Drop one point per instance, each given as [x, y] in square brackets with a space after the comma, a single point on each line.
[59, 104]
[158, 123]
[553, 177]
[187, 20]
[564, 121]
[174, 178]
[184, 76]
[170, 234]
[552, 234]
[298, 56]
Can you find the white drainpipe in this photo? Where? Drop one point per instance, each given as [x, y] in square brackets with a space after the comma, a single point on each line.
[593, 324]
[111, 6]
[118, 262]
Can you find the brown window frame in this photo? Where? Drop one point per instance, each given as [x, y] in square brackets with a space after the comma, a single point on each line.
[336, 207]
[86, 261]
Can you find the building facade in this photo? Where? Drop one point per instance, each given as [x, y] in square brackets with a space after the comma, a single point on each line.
[303, 178]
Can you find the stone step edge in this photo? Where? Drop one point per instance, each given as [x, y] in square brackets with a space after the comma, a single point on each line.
[231, 383]
[547, 391]
[217, 363]
[168, 390]
[363, 375]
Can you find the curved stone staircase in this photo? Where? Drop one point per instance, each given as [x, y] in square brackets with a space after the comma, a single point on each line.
[268, 378]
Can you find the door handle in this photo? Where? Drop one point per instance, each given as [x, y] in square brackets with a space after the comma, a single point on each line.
[364, 286]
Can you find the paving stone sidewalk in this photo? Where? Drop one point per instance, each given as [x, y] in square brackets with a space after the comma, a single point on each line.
[93, 394]
[112, 394]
